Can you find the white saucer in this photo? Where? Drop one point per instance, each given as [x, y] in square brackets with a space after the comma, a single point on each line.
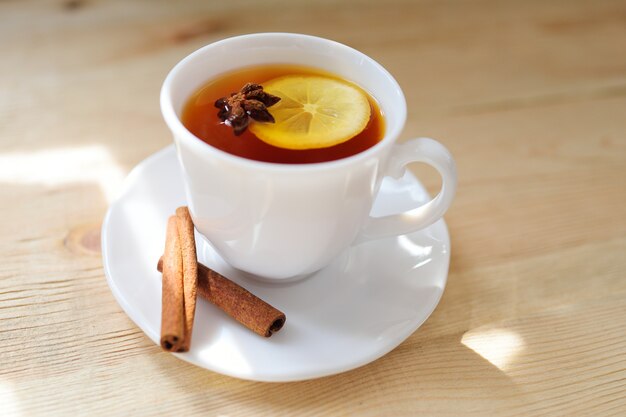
[369, 300]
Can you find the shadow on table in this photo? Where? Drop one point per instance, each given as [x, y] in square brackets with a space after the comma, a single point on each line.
[443, 375]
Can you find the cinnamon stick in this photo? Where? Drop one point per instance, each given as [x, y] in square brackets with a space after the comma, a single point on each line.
[237, 302]
[172, 307]
[190, 270]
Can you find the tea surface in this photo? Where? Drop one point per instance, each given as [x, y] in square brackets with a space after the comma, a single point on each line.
[200, 118]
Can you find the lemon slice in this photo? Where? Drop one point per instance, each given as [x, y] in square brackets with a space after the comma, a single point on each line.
[314, 112]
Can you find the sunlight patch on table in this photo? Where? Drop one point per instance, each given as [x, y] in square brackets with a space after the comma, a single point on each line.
[9, 404]
[498, 346]
[62, 166]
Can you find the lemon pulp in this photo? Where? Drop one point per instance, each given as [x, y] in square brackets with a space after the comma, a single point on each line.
[313, 112]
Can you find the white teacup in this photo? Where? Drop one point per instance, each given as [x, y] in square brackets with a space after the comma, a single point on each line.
[279, 221]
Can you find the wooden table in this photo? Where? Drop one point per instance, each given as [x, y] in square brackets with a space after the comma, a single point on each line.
[530, 97]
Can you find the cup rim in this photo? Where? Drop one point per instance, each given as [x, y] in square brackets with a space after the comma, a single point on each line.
[182, 133]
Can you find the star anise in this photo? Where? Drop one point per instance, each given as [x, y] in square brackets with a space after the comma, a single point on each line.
[251, 102]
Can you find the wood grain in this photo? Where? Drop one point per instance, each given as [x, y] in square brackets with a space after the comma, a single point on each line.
[530, 97]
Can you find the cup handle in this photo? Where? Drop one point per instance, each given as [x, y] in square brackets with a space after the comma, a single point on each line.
[416, 150]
